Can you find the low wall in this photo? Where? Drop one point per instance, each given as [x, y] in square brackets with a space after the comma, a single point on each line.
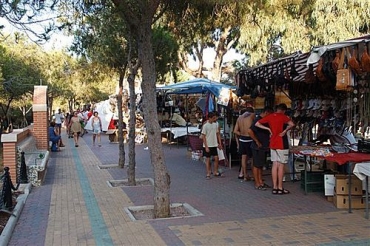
[10, 141]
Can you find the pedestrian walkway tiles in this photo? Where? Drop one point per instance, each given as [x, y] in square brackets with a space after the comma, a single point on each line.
[99, 228]
[334, 228]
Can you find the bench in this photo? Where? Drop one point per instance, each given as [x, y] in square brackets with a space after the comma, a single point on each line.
[36, 160]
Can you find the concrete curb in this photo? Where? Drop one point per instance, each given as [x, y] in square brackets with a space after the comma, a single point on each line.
[13, 219]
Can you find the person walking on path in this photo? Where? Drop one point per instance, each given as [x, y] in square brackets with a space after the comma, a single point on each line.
[75, 127]
[211, 141]
[260, 149]
[59, 118]
[97, 127]
[243, 140]
[278, 126]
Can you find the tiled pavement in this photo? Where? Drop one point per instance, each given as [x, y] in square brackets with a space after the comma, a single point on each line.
[75, 206]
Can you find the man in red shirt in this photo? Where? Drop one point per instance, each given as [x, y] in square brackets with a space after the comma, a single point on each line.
[278, 126]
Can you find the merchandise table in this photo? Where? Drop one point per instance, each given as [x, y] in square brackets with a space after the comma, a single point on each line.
[362, 171]
[339, 158]
[181, 131]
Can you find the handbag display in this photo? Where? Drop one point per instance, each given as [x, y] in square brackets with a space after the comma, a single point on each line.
[319, 72]
[345, 77]
[365, 60]
[353, 62]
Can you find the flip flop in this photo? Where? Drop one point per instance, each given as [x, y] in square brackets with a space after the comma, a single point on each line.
[208, 177]
[275, 191]
[218, 175]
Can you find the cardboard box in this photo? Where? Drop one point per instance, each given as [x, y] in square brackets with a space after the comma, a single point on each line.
[341, 201]
[341, 185]
[329, 184]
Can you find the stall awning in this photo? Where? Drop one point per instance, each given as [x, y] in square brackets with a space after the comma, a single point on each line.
[196, 86]
[317, 52]
[301, 61]
[268, 70]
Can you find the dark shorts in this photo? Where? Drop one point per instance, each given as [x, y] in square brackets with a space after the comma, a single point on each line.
[212, 152]
[245, 147]
[58, 125]
[259, 158]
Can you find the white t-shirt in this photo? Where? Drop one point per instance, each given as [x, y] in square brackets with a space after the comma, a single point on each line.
[59, 118]
[210, 131]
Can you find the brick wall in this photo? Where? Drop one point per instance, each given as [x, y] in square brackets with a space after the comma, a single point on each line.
[10, 142]
[39, 130]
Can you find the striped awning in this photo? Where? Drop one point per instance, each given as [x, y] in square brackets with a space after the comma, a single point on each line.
[268, 70]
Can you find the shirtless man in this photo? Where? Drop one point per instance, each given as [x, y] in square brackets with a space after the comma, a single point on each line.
[243, 140]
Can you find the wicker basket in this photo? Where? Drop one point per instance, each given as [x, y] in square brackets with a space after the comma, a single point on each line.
[195, 142]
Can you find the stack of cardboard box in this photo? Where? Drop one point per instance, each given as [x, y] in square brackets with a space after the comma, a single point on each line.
[341, 192]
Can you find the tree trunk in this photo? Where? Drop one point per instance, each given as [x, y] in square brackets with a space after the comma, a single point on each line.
[121, 151]
[132, 122]
[50, 101]
[161, 176]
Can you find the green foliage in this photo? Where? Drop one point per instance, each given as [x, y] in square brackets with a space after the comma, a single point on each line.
[20, 68]
[165, 50]
[300, 24]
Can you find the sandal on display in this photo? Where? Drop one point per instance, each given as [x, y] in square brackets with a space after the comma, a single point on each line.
[282, 191]
[275, 191]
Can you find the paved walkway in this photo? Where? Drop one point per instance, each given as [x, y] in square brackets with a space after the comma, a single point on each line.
[76, 206]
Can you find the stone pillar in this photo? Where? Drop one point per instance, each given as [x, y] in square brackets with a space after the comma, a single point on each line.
[40, 117]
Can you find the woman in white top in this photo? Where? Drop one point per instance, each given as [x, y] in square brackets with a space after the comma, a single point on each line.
[97, 127]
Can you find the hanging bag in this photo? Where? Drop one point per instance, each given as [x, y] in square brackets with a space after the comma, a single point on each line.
[309, 77]
[343, 73]
[353, 62]
[365, 60]
[319, 70]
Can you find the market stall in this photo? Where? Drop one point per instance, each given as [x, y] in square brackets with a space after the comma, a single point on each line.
[328, 92]
[211, 96]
